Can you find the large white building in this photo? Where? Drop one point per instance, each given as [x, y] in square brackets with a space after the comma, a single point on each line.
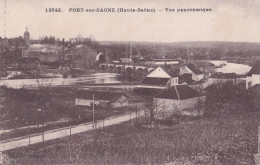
[82, 56]
[160, 78]
[253, 76]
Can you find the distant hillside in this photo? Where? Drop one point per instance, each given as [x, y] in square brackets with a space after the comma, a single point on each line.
[200, 50]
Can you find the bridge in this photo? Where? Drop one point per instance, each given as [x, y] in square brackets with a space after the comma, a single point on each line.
[126, 69]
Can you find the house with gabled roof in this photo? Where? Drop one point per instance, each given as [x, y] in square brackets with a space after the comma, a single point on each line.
[197, 74]
[178, 98]
[206, 67]
[253, 76]
[160, 78]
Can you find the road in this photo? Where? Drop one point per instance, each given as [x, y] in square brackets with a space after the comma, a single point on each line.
[62, 132]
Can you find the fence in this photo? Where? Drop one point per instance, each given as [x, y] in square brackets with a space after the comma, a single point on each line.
[63, 132]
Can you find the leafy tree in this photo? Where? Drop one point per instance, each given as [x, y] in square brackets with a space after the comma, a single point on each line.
[3, 112]
[228, 97]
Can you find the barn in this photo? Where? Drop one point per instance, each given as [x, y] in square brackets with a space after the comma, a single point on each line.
[197, 74]
[160, 78]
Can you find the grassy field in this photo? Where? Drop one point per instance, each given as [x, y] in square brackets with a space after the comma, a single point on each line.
[21, 110]
[230, 139]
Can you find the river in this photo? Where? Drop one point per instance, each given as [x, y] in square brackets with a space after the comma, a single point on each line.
[231, 67]
[97, 78]
[105, 78]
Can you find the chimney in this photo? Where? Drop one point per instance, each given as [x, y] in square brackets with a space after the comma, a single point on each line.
[63, 52]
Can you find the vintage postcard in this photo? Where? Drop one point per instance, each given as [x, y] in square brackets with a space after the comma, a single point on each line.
[130, 82]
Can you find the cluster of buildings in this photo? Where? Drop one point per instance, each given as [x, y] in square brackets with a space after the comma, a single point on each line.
[173, 91]
[41, 56]
[170, 91]
[36, 55]
[170, 82]
[168, 86]
[166, 76]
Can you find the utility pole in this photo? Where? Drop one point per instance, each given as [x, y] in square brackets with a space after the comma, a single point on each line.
[41, 112]
[93, 110]
[63, 64]
[130, 50]
[4, 47]
[5, 53]
[189, 58]
[5, 19]
[208, 67]
[63, 51]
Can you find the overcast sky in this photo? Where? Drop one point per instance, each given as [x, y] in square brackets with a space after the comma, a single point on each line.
[230, 20]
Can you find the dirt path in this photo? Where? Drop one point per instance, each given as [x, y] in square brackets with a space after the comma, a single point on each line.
[62, 132]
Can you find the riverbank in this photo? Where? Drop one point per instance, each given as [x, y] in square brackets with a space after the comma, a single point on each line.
[21, 114]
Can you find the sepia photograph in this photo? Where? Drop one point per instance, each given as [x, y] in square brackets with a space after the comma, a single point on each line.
[171, 82]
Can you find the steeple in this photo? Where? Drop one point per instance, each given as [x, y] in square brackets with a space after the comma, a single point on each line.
[26, 37]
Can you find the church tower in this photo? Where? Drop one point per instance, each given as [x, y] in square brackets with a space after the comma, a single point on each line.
[26, 37]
